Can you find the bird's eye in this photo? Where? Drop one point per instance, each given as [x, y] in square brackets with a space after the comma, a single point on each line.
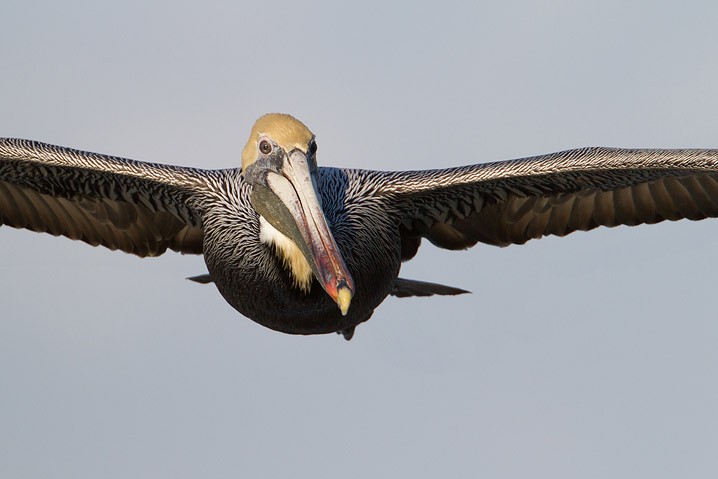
[313, 148]
[265, 147]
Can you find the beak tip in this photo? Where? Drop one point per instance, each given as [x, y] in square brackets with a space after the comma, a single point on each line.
[344, 298]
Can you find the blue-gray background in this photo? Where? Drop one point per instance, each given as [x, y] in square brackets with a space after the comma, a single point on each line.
[589, 356]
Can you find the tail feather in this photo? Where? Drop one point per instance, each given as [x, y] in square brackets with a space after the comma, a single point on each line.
[202, 278]
[404, 288]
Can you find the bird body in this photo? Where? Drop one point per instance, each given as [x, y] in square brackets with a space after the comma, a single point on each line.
[308, 250]
[256, 281]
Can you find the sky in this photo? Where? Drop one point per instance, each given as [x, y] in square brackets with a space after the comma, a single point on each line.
[594, 355]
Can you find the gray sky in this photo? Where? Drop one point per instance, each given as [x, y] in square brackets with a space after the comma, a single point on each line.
[594, 355]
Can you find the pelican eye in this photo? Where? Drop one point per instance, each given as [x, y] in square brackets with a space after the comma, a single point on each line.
[265, 147]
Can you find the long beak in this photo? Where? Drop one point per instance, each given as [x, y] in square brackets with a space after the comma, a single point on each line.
[299, 216]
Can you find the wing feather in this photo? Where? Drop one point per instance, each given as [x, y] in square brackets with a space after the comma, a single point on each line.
[139, 208]
[512, 202]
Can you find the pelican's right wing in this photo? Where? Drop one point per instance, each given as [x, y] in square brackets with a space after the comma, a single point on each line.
[512, 202]
[136, 207]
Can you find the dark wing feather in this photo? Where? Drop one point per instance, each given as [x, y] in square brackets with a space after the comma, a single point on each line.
[512, 202]
[136, 207]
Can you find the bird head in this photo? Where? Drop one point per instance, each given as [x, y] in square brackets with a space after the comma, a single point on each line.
[279, 161]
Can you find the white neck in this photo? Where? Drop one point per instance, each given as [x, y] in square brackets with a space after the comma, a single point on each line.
[288, 252]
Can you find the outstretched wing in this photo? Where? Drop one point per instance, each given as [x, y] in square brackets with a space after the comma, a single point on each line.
[136, 207]
[511, 202]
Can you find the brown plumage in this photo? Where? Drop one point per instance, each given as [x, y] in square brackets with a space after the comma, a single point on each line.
[310, 250]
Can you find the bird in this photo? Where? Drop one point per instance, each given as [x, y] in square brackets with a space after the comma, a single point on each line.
[303, 249]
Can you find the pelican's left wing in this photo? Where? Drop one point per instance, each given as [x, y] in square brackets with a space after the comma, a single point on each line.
[511, 202]
[139, 208]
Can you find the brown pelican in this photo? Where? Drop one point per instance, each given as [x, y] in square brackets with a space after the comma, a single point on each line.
[309, 250]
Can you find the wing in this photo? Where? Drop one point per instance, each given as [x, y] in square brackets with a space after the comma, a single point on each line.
[136, 207]
[511, 202]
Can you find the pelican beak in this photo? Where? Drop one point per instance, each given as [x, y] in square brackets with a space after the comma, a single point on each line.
[299, 216]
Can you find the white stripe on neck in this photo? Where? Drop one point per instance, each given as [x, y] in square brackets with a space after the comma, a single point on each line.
[288, 252]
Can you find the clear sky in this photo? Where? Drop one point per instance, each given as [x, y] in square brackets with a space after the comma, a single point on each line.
[590, 356]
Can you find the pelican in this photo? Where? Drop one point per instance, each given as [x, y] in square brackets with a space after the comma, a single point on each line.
[307, 250]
